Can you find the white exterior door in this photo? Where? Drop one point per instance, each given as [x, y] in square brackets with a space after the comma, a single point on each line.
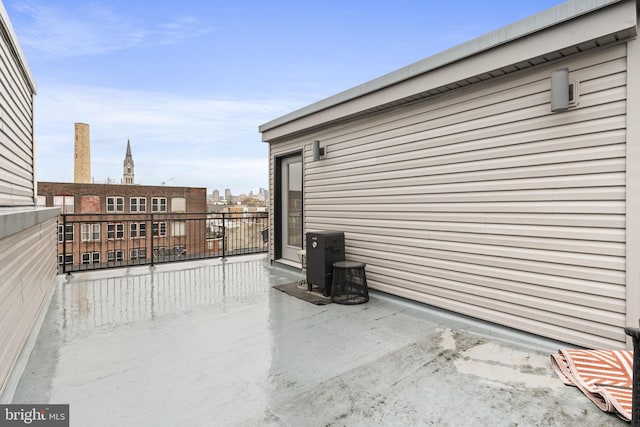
[291, 190]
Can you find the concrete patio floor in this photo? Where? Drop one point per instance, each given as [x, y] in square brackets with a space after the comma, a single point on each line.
[213, 344]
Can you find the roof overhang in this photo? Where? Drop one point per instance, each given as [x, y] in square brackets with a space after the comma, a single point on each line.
[7, 32]
[564, 30]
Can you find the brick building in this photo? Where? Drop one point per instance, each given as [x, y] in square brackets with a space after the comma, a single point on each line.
[124, 224]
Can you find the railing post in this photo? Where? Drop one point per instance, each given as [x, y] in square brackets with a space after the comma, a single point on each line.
[151, 238]
[224, 235]
[64, 243]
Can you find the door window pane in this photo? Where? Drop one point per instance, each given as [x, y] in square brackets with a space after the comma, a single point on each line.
[294, 196]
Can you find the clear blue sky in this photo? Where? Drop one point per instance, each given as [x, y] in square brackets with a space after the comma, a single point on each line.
[190, 81]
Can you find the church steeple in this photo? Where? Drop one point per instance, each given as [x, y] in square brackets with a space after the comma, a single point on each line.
[127, 166]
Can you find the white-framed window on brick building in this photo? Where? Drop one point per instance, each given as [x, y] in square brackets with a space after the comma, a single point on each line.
[115, 204]
[89, 232]
[138, 253]
[158, 204]
[68, 259]
[66, 235]
[65, 203]
[159, 229]
[137, 204]
[91, 257]
[115, 255]
[115, 231]
[178, 228]
[137, 230]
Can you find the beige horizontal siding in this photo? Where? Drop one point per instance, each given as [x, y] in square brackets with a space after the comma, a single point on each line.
[581, 332]
[16, 131]
[28, 270]
[483, 202]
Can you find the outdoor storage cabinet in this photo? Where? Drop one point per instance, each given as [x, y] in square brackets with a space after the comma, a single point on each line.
[323, 249]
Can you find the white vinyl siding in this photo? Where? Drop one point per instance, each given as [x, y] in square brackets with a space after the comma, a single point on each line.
[483, 202]
[16, 129]
[28, 270]
[28, 236]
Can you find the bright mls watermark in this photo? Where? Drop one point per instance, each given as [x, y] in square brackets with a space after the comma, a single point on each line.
[34, 415]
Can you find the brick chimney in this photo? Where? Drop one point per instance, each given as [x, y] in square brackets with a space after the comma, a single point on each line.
[82, 155]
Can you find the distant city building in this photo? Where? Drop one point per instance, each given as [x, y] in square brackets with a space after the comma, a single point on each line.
[127, 167]
[82, 154]
[263, 194]
[217, 204]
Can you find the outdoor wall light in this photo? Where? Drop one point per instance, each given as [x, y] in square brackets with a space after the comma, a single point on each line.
[560, 90]
[317, 150]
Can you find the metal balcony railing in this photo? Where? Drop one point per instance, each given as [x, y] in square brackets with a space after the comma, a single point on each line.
[98, 241]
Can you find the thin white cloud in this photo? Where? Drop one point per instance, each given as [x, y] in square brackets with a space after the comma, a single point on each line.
[181, 28]
[95, 29]
[155, 112]
[199, 141]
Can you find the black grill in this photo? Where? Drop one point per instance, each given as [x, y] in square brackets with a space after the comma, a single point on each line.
[323, 249]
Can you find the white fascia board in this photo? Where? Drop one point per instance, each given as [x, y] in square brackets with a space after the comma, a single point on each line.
[562, 26]
[5, 22]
